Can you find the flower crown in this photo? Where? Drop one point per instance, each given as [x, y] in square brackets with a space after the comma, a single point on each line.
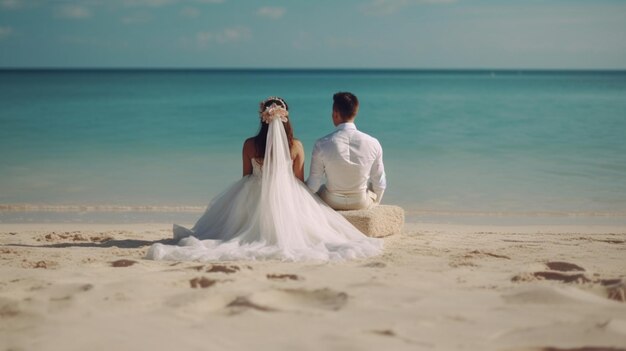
[273, 111]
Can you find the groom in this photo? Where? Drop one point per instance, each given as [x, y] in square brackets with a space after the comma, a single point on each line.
[352, 161]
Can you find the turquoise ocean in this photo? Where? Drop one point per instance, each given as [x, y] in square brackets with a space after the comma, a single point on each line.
[478, 144]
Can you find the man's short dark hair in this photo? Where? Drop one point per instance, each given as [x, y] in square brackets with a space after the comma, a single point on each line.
[346, 104]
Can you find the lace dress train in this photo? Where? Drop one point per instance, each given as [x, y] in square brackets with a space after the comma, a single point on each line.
[269, 214]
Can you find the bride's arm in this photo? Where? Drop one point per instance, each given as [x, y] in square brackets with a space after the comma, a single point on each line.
[246, 155]
[298, 160]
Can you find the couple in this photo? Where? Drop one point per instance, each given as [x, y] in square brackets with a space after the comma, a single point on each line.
[271, 213]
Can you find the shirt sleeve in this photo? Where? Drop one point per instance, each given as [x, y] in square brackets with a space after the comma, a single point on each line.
[316, 171]
[378, 178]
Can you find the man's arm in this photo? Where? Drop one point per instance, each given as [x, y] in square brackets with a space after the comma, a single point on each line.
[316, 172]
[378, 178]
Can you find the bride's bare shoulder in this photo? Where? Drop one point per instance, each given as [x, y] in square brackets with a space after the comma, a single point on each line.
[297, 144]
[297, 149]
[249, 146]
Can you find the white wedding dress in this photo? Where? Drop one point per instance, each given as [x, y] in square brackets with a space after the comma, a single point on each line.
[269, 214]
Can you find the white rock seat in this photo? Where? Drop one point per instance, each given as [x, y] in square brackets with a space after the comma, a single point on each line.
[377, 222]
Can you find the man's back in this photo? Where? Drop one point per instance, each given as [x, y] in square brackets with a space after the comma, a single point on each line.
[349, 159]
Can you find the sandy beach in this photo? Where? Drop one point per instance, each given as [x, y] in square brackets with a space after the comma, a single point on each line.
[436, 287]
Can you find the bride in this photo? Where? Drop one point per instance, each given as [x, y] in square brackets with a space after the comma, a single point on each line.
[270, 213]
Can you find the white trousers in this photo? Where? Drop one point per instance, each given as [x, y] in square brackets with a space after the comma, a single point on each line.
[342, 202]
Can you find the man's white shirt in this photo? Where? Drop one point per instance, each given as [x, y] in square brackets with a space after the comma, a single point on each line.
[348, 159]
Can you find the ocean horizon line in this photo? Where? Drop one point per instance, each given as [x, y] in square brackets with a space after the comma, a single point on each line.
[372, 70]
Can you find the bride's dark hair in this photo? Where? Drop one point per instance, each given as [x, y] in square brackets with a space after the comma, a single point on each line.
[261, 138]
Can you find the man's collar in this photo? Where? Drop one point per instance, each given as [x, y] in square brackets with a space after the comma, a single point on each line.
[346, 126]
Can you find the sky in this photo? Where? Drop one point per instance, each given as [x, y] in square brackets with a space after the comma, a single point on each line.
[411, 34]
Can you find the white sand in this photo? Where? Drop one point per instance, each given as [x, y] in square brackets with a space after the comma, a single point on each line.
[436, 287]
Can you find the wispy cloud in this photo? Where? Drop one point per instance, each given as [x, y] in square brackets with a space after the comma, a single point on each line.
[11, 4]
[342, 42]
[303, 41]
[148, 3]
[136, 18]
[76, 12]
[159, 3]
[21, 4]
[384, 7]
[272, 12]
[436, 1]
[189, 12]
[5, 32]
[389, 7]
[18, 4]
[233, 34]
[204, 39]
[87, 40]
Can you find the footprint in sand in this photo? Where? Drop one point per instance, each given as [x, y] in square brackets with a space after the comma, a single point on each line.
[284, 277]
[555, 271]
[570, 273]
[615, 289]
[4, 252]
[242, 303]
[558, 276]
[74, 236]
[45, 264]
[203, 282]
[375, 265]
[195, 302]
[392, 334]
[384, 332]
[123, 263]
[219, 268]
[482, 254]
[612, 241]
[564, 266]
[300, 299]
[9, 308]
[65, 293]
[467, 258]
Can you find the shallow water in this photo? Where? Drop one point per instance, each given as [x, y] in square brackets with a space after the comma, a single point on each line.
[456, 142]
